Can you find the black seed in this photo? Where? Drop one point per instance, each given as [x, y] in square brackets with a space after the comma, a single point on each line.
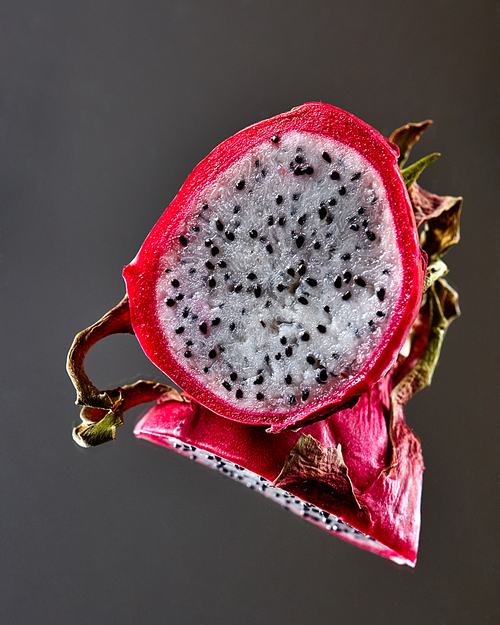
[327, 157]
[179, 297]
[322, 212]
[212, 283]
[326, 309]
[259, 396]
[337, 282]
[219, 225]
[311, 360]
[275, 138]
[253, 234]
[347, 276]
[262, 323]
[356, 176]
[305, 336]
[268, 303]
[185, 312]
[179, 330]
[332, 201]
[258, 380]
[292, 399]
[214, 251]
[299, 159]
[361, 211]
[238, 288]
[365, 223]
[257, 163]
[386, 272]
[270, 220]
[299, 241]
[170, 302]
[280, 287]
[288, 379]
[243, 311]
[263, 239]
[346, 257]
[283, 340]
[303, 301]
[236, 209]
[321, 329]
[370, 235]
[222, 264]
[336, 356]
[309, 171]
[380, 313]
[209, 265]
[203, 328]
[230, 236]
[212, 353]
[296, 196]
[311, 282]
[291, 272]
[239, 393]
[323, 375]
[342, 191]
[252, 276]
[282, 221]
[302, 220]
[288, 351]
[298, 171]
[335, 175]
[240, 185]
[187, 354]
[317, 245]
[371, 324]
[227, 385]
[258, 291]
[279, 199]
[346, 296]
[305, 394]
[381, 294]
[354, 227]
[192, 270]
[194, 317]
[206, 369]
[216, 321]
[189, 343]
[208, 242]
[269, 248]
[196, 229]
[234, 376]
[278, 356]
[175, 283]
[302, 269]
[232, 326]
[359, 281]
[183, 240]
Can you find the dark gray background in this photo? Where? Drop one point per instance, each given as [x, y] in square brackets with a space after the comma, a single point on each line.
[106, 106]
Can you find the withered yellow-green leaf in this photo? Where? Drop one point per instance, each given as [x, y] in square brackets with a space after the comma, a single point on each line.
[411, 173]
[93, 434]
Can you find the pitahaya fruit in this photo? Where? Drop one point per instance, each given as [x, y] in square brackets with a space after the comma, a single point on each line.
[278, 290]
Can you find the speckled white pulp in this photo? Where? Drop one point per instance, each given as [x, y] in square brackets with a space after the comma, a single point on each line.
[289, 276]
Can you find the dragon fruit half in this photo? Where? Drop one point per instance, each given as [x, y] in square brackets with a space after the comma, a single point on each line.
[286, 292]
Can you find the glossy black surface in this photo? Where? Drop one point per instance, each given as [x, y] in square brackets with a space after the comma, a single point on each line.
[105, 107]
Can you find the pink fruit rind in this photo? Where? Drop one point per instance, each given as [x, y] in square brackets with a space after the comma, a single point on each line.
[142, 273]
[389, 500]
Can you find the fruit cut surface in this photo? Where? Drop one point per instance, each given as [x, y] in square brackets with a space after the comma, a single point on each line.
[284, 277]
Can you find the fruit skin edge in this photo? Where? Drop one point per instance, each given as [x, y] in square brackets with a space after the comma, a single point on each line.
[141, 274]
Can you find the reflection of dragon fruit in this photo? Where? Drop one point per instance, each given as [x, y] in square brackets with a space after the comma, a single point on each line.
[278, 290]
[284, 278]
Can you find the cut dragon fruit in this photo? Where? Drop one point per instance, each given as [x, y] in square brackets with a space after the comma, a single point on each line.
[280, 289]
[283, 279]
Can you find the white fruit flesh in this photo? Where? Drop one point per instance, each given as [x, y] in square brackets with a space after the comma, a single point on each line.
[287, 284]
